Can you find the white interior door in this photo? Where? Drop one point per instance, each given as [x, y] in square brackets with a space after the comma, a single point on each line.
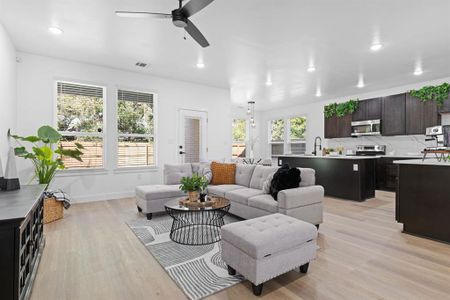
[192, 136]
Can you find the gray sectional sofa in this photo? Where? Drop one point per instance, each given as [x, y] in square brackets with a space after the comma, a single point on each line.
[247, 197]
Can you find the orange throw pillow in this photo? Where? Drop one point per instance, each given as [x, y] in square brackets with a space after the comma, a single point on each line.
[223, 173]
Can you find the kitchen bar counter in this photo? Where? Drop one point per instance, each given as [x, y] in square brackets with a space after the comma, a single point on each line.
[423, 198]
[346, 177]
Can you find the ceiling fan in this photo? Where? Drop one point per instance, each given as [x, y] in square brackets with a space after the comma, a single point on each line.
[180, 17]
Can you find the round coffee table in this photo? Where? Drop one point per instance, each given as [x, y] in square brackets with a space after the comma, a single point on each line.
[197, 224]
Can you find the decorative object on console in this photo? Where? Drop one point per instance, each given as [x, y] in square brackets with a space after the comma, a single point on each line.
[11, 180]
[438, 93]
[223, 173]
[193, 185]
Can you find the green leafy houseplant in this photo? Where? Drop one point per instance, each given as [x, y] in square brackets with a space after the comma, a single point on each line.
[438, 93]
[192, 185]
[341, 109]
[46, 152]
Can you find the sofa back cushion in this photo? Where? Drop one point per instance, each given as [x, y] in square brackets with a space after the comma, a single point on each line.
[260, 175]
[244, 174]
[223, 173]
[308, 177]
[174, 173]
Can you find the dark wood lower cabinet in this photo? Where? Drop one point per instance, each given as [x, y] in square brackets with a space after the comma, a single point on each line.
[351, 179]
[387, 173]
[21, 240]
[423, 200]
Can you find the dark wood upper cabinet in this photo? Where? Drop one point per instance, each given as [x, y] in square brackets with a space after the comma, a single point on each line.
[394, 115]
[420, 115]
[374, 108]
[331, 127]
[345, 126]
[368, 110]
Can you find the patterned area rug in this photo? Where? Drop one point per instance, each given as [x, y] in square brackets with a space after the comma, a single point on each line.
[198, 270]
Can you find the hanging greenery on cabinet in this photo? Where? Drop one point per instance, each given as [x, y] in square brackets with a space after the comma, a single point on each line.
[438, 93]
[341, 109]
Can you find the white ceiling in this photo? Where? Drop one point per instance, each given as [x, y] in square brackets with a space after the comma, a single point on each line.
[249, 39]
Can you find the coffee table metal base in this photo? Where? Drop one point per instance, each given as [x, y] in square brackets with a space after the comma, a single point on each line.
[200, 227]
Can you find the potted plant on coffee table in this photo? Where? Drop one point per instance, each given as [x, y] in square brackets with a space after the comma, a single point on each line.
[193, 185]
[47, 154]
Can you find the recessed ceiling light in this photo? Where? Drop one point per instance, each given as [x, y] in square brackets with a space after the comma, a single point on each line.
[269, 79]
[55, 30]
[418, 71]
[318, 93]
[376, 47]
[268, 82]
[311, 69]
[200, 65]
[360, 82]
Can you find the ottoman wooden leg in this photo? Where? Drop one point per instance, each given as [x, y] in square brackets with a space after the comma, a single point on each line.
[304, 268]
[149, 216]
[139, 209]
[257, 289]
[231, 271]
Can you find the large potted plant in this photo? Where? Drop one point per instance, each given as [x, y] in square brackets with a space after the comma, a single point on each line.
[193, 185]
[47, 155]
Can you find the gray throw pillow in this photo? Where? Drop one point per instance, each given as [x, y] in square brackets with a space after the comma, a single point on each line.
[203, 169]
[267, 183]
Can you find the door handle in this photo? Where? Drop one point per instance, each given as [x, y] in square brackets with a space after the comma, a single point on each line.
[182, 152]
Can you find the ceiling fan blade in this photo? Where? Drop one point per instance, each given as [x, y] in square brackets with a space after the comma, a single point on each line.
[141, 14]
[196, 34]
[194, 6]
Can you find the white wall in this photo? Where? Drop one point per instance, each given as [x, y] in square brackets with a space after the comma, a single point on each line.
[36, 106]
[315, 126]
[8, 89]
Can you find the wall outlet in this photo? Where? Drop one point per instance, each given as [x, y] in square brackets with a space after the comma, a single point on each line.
[355, 167]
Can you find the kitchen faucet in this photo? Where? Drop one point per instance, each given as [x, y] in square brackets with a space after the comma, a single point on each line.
[317, 144]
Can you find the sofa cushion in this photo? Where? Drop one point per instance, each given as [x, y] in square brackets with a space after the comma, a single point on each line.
[308, 177]
[160, 191]
[244, 174]
[223, 173]
[264, 202]
[174, 173]
[268, 235]
[202, 169]
[220, 190]
[242, 195]
[260, 175]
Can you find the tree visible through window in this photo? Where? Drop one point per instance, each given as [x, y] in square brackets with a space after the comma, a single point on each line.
[277, 130]
[239, 137]
[80, 120]
[297, 128]
[135, 129]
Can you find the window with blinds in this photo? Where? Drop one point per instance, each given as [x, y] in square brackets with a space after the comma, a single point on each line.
[297, 135]
[79, 115]
[135, 121]
[287, 136]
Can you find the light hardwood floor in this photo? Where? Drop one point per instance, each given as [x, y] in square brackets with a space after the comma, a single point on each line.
[92, 254]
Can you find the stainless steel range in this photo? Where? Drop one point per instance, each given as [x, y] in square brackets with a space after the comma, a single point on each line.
[370, 150]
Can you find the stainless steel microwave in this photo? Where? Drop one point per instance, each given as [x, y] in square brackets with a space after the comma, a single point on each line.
[370, 127]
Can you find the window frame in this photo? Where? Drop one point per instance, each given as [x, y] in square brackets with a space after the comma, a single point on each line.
[286, 142]
[103, 135]
[117, 135]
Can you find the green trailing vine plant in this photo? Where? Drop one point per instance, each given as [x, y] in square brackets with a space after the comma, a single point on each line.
[341, 109]
[438, 93]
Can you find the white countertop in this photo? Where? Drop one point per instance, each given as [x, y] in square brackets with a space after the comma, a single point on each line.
[426, 162]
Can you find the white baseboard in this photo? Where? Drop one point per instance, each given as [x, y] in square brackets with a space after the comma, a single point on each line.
[102, 197]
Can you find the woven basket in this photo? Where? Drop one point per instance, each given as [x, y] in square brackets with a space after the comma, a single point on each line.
[53, 210]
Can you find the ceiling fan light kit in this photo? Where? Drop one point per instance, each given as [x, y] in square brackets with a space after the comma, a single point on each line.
[180, 18]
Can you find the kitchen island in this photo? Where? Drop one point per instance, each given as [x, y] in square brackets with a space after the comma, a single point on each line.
[346, 177]
[423, 198]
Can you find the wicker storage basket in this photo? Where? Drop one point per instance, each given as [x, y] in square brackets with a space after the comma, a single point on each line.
[53, 210]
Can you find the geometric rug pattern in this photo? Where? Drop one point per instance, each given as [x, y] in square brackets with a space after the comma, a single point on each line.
[198, 270]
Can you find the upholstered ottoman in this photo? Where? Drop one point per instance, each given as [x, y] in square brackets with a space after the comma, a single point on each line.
[263, 248]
